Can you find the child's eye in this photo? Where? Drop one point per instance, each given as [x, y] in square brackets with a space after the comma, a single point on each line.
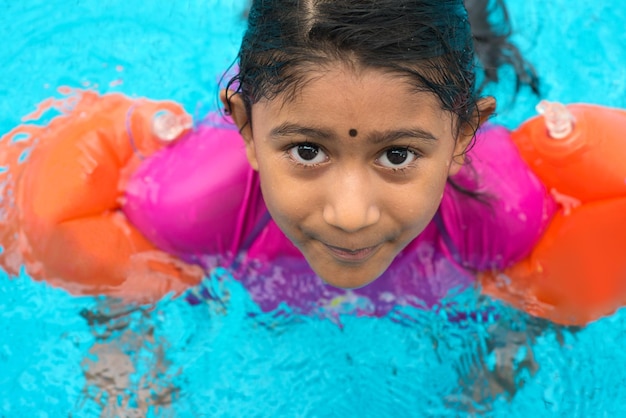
[397, 158]
[307, 154]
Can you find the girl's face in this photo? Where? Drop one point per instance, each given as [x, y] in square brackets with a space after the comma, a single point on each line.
[353, 168]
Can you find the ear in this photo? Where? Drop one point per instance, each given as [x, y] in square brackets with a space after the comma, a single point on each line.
[235, 106]
[485, 107]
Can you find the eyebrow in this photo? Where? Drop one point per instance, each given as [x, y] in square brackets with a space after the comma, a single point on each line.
[377, 137]
[392, 135]
[291, 129]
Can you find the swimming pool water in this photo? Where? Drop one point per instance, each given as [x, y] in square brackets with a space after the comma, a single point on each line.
[62, 355]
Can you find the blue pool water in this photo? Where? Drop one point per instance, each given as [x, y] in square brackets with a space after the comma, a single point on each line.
[67, 356]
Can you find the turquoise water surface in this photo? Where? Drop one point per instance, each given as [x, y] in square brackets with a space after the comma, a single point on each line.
[68, 356]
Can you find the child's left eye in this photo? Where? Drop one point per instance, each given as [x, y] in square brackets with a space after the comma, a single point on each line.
[396, 158]
[307, 154]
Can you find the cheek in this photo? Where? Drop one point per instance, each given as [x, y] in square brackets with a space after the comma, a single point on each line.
[440, 176]
[284, 197]
[416, 205]
[438, 188]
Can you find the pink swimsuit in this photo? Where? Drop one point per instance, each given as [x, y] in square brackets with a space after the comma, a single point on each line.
[200, 200]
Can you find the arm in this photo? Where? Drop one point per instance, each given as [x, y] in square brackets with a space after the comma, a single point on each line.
[576, 273]
[69, 229]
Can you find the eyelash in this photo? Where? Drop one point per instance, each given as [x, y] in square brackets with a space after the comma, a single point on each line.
[292, 145]
[288, 149]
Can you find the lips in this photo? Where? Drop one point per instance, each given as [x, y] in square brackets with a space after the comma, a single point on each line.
[352, 256]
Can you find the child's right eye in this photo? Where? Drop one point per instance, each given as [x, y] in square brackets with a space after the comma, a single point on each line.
[307, 154]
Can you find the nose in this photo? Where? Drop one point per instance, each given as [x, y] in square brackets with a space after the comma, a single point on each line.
[351, 203]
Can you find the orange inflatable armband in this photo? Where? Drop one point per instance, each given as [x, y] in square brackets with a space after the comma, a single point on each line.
[588, 161]
[577, 271]
[61, 190]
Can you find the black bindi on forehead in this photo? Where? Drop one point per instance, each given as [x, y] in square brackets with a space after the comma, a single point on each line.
[353, 132]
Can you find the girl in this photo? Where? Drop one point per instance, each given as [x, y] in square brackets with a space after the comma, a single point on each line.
[357, 121]
[352, 128]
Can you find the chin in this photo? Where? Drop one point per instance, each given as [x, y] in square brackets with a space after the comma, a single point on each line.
[348, 275]
[348, 278]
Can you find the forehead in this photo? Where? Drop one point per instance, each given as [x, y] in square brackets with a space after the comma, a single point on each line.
[350, 96]
[337, 73]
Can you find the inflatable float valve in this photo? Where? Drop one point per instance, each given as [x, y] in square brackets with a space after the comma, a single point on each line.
[167, 126]
[559, 120]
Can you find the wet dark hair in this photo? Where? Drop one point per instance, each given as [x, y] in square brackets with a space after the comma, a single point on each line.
[491, 30]
[429, 42]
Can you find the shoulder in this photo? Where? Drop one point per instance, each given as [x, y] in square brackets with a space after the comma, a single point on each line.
[198, 196]
[507, 207]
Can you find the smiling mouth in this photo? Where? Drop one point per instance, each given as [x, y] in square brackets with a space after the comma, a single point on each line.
[352, 256]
